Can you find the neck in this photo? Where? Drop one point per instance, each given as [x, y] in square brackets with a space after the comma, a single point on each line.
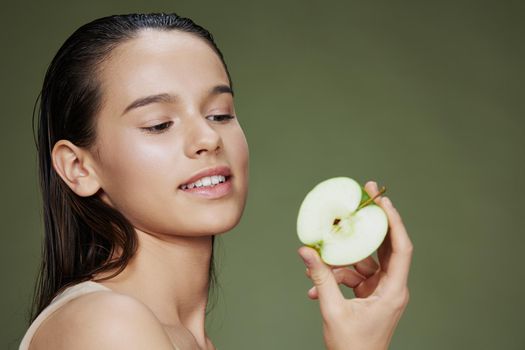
[170, 276]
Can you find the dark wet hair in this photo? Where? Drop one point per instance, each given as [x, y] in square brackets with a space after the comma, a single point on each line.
[82, 233]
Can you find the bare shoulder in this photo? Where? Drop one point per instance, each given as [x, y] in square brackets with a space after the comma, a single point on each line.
[102, 320]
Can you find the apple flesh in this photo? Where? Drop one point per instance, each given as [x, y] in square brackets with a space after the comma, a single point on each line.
[338, 219]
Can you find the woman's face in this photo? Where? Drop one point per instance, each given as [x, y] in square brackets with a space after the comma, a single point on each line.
[141, 171]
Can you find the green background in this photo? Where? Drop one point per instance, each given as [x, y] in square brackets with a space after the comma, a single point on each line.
[423, 97]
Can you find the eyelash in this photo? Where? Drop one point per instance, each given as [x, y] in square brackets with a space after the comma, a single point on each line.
[155, 128]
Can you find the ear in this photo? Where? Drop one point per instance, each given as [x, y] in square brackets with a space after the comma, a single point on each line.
[76, 167]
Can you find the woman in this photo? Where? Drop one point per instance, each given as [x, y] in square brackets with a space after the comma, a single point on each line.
[142, 161]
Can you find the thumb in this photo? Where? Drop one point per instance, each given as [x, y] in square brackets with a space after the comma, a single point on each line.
[330, 296]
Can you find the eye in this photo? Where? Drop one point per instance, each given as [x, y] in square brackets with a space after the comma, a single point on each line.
[159, 128]
[221, 117]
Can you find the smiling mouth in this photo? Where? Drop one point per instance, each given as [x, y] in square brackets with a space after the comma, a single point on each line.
[213, 190]
[206, 182]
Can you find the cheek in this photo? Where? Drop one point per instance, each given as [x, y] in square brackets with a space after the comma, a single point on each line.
[238, 152]
[238, 156]
[136, 170]
[136, 161]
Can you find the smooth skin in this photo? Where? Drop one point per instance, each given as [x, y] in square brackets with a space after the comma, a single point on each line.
[368, 321]
[159, 300]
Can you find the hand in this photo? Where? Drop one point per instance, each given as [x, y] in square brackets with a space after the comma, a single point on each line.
[367, 321]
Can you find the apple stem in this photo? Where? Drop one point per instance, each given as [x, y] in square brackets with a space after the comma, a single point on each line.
[370, 200]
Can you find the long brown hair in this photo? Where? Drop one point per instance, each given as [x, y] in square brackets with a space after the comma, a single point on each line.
[82, 233]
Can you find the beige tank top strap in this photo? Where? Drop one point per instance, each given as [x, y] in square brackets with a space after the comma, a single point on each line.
[62, 298]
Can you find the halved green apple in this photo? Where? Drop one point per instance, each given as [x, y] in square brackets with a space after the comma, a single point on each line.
[340, 220]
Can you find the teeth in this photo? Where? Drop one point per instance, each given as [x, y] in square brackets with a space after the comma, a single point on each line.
[205, 181]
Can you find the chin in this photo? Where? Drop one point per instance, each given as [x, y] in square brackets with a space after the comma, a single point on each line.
[217, 220]
[214, 224]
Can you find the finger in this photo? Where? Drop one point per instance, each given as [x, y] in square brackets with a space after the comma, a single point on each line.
[400, 245]
[312, 293]
[372, 189]
[308, 274]
[368, 286]
[348, 277]
[367, 267]
[330, 297]
[383, 253]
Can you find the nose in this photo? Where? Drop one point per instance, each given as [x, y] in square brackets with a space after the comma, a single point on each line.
[201, 138]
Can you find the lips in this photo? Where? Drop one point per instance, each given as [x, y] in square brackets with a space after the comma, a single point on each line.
[218, 170]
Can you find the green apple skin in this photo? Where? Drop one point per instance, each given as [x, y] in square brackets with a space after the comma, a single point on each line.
[330, 222]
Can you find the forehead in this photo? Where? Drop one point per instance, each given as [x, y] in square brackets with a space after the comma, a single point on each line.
[160, 62]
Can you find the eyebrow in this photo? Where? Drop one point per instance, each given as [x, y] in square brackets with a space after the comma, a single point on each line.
[170, 98]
